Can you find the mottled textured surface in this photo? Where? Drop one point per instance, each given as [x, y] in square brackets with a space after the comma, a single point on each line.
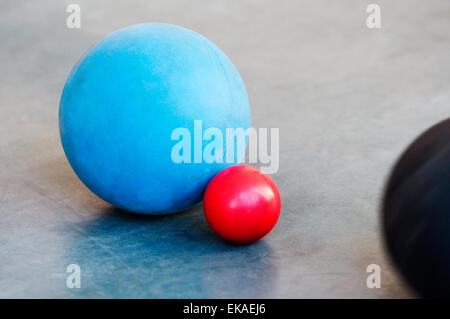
[347, 101]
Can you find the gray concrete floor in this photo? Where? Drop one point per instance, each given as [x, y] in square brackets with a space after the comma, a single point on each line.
[347, 101]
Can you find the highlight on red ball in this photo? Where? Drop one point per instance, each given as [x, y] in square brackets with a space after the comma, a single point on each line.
[242, 204]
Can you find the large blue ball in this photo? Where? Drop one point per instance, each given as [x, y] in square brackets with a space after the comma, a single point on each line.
[126, 96]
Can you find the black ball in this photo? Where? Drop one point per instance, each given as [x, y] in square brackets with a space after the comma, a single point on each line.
[416, 212]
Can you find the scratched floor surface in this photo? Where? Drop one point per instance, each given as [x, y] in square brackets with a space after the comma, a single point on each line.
[347, 100]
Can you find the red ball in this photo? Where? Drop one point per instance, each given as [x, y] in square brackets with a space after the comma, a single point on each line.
[242, 204]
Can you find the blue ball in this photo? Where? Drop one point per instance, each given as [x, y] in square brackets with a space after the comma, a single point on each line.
[125, 98]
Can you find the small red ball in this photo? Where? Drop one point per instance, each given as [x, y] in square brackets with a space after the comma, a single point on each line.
[242, 204]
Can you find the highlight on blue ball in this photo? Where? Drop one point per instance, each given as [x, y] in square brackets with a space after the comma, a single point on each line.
[125, 98]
